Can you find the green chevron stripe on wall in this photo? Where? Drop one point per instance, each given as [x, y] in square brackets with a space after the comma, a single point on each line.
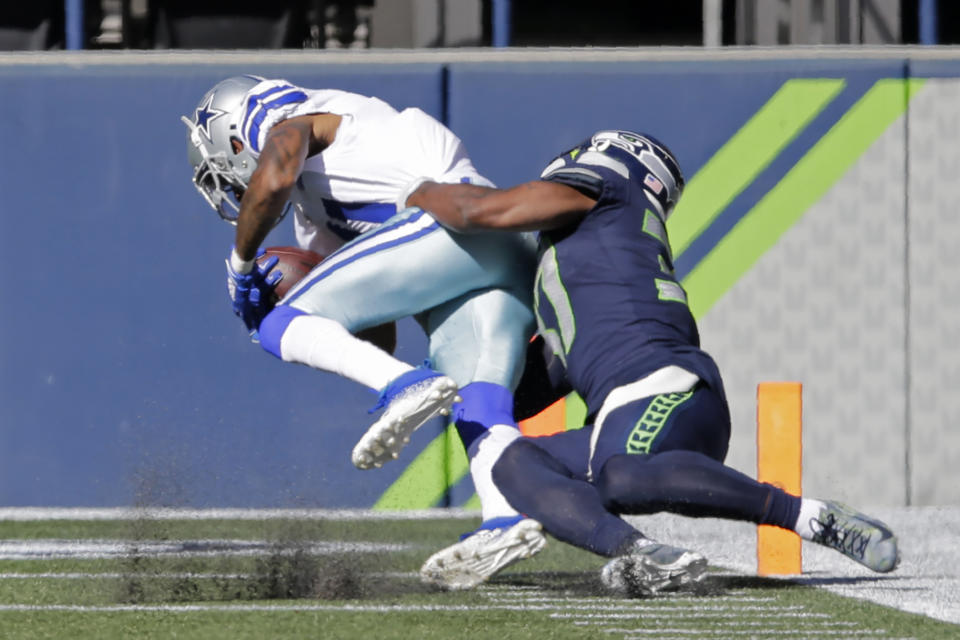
[746, 154]
[422, 484]
[800, 188]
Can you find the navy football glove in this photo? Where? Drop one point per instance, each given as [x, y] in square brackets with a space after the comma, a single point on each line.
[251, 291]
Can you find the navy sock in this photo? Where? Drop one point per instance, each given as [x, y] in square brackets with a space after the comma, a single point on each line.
[782, 510]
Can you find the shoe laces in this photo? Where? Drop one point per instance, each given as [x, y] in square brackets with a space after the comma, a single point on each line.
[840, 534]
[403, 383]
[493, 526]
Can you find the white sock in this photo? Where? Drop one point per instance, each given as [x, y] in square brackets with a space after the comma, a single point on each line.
[809, 511]
[325, 344]
[489, 448]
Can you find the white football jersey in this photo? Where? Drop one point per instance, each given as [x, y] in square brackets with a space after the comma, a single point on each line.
[353, 185]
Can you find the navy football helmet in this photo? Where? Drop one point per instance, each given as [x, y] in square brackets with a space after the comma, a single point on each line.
[663, 180]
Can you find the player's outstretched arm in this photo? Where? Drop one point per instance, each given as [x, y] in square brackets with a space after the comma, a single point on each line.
[527, 207]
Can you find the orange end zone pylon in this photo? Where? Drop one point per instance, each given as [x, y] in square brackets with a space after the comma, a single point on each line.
[780, 463]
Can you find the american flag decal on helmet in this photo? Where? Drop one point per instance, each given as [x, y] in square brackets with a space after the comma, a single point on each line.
[650, 181]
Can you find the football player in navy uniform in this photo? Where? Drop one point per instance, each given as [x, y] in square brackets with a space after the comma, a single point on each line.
[617, 324]
[340, 161]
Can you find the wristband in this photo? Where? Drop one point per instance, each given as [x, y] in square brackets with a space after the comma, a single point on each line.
[238, 264]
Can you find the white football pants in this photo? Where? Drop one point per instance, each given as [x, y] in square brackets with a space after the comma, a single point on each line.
[472, 293]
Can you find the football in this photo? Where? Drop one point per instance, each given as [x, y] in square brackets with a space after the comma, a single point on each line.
[294, 264]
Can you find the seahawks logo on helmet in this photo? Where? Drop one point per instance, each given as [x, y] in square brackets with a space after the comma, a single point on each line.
[662, 178]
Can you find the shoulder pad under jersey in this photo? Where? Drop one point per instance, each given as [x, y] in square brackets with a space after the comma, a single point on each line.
[568, 169]
[265, 105]
[620, 158]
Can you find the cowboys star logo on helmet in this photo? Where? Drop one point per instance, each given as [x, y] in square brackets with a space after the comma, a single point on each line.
[205, 115]
[222, 164]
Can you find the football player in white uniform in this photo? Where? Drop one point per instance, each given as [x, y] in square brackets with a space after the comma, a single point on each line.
[342, 161]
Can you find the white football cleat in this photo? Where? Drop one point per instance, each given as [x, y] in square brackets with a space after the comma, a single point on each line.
[497, 544]
[410, 400]
[651, 567]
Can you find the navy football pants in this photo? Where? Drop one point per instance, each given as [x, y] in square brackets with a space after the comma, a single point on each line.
[662, 453]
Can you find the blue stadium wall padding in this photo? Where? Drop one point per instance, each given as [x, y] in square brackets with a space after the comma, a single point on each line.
[124, 376]
[537, 109]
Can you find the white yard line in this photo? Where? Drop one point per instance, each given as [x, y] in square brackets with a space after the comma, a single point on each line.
[684, 618]
[752, 633]
[23, 514]
[121, 576]
[105, 575]
[256, 607]
[91, 549]
[595, 613]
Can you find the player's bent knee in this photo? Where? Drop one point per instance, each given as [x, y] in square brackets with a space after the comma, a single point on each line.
[512, 468]
[619, 480]
[273, 327]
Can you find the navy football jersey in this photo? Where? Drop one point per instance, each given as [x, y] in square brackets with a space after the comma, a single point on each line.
[607, 300]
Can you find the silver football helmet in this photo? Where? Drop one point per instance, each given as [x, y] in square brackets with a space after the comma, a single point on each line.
[222, 163]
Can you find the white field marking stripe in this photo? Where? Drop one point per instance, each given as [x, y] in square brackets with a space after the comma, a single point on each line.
[667, 605]
[682, 615]
[772, 634]
[255, 607]
[55, 549]
[383, 609]
[591, 619]
[683, 610]
[509, 587]
[752, 633]
[618, 605]
[683, 605]
[819, 624]
[736, 596]
[169, 575]
[704, 612]
[23, 514]
[117, 576]
[779, 633]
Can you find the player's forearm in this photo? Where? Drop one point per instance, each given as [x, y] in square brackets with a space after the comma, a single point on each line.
[259, 211]
[530, 206]
[280, 164]
[452, 205]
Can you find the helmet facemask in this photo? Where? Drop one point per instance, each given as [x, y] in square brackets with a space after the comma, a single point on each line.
[215, 175]
[222, 164]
